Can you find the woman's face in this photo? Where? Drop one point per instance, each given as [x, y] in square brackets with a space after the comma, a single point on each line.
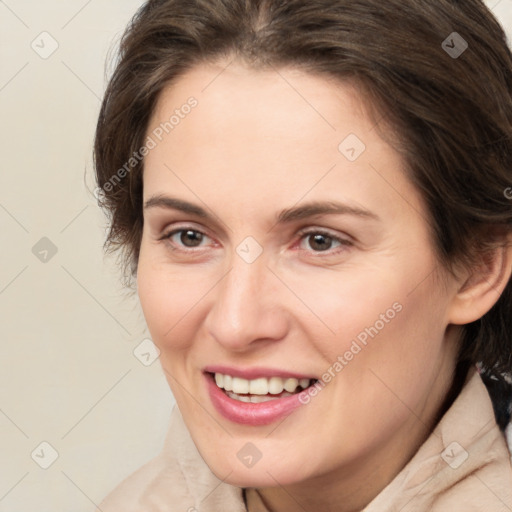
[283, 241]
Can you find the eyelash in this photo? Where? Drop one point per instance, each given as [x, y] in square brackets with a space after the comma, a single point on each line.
[303, 234]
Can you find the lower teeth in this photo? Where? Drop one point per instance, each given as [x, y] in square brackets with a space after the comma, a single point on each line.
[256, 399]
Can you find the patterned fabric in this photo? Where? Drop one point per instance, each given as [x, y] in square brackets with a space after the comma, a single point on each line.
[500, 391]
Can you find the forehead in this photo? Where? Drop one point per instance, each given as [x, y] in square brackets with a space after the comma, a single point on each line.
[287, 102]
[265, 131]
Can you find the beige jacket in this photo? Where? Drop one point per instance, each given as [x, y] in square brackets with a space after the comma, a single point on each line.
[463, 466]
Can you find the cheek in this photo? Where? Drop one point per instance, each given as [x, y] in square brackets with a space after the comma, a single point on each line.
[399, 359]
[375, 319]
[169, 300]
[347, 306]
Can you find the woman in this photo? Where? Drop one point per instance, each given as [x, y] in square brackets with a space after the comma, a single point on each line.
[313, 200]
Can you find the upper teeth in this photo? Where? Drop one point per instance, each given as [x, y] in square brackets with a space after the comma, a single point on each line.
[261, 386]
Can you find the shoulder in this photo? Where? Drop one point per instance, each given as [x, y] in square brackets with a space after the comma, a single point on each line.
[153, 482]
[177, 479]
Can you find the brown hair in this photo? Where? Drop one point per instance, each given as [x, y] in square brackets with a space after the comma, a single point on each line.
[452, 111]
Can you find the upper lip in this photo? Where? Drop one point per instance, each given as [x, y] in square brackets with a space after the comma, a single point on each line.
[255, 372]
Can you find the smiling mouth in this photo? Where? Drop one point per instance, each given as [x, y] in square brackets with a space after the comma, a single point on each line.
[260, 390]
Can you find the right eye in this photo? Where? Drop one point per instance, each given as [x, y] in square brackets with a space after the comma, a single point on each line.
[186, 238]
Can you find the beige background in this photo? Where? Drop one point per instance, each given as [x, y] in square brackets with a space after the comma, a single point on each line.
[68, 372]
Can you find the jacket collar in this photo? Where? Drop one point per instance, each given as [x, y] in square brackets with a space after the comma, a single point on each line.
[464, 464]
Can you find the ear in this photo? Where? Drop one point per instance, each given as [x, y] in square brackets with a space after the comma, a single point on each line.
[481, 286]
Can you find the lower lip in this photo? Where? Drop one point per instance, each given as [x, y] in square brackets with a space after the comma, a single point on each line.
[246, 413]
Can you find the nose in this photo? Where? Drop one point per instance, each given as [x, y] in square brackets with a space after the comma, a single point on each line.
[246, 310]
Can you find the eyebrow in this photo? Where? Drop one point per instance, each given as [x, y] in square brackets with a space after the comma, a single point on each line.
[172, 203]
[295, 213]
[323, 208]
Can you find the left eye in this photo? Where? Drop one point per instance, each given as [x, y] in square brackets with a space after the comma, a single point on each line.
[321, 242]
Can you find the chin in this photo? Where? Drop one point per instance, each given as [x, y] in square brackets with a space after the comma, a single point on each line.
[260, 478]
[260, 475]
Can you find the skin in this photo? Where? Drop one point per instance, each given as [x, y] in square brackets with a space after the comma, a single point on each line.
[252, 147]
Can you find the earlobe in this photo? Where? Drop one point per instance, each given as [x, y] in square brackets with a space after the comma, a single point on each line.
[482, 286]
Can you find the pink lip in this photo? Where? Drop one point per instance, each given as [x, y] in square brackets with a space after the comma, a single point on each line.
[254, 373]
[248, 413]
